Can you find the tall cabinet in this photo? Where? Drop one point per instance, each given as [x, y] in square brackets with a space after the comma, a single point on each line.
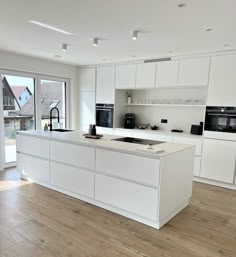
[87, 83]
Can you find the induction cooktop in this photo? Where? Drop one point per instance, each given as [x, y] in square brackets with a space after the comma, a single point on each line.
[134, 140]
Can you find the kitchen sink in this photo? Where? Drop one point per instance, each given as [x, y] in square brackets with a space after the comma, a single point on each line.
[62, 130]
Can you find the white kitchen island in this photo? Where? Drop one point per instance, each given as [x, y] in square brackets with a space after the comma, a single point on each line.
[146, 187]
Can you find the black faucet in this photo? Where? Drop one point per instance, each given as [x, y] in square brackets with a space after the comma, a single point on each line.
[58, 117]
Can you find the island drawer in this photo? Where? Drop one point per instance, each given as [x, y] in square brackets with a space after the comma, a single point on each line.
[136, 168]
[72, 154]
[127, 196]
[33, 168]
[33, 146]
[73, 179]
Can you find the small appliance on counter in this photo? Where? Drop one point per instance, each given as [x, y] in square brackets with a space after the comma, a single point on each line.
[129, 121]
[197, 129]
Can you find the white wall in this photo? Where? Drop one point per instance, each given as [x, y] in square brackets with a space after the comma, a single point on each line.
[23, 63]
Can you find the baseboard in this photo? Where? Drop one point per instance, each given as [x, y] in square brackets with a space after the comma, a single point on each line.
[215, 183]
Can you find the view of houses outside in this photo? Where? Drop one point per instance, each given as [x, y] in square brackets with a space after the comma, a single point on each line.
[19, 107]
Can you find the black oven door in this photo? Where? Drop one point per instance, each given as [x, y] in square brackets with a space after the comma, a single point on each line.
[222, 119]
[104, 115]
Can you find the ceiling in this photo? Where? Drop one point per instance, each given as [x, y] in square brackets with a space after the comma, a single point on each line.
[164, 27]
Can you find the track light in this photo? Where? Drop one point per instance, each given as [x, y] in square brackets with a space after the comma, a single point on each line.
[135, 35]
[64, 47]
[95, 41]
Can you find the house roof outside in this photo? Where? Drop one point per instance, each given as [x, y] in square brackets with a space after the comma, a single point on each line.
[18, 90]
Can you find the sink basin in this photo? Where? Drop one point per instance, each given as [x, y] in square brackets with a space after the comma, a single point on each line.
[62, 130]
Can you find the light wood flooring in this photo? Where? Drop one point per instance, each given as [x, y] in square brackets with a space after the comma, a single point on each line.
[38, 222]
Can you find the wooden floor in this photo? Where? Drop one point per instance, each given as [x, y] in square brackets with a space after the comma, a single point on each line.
[38, 222]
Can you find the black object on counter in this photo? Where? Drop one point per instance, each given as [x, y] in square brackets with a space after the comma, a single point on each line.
[197, 129]
[177, 130]
[92, 130]
[154, 127]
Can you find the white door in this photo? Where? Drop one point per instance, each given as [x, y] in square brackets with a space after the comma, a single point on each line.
[194, 72]
[105, 91]
[146, 75]
[167, 74]
[125, 76]
[218, 160]
[222, 81]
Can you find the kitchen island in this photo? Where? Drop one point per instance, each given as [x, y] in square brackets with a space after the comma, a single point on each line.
[146, 187]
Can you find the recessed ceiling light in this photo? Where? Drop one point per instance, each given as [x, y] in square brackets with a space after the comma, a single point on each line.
[181, 5]
[133, 56]
[104, 59]
[209, 29]
[95, 41]
[226, 44]
[170, 52]
[135, 35]
[47, 26]
[57, 56]
[64, 47]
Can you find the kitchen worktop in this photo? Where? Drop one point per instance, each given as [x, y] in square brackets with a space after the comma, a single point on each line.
[76, 137]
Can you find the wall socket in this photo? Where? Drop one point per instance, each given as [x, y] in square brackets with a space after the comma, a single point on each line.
[164, 121]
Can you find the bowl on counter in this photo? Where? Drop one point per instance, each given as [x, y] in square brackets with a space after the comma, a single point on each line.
[143, 126]
[154, 127]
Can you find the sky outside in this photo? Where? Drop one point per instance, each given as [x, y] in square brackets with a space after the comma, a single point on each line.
[21, 81]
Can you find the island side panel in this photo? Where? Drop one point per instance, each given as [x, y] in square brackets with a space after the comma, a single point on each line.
[176, 179]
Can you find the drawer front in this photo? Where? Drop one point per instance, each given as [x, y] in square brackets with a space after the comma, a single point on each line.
[34, 146]
[128, 196]
[33, 168]
[77, 155]
[197, 166]
[136, 168]
[190, 141]
[73, 179]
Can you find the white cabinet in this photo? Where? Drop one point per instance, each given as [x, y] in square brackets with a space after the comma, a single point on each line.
[194, 72]
[73, 154]
[123, 132]
[105, 92]
[146, 75]
[101, 130]
[127, 196]
[152, 136]
[75, 180]
[218, 160]
[33, 168]
[167, 74]
[222, 81]
[33, 146]
[132, 167]
[87, 108]
[190, 141]
[197, 166]
[87, 79]
[125, 76]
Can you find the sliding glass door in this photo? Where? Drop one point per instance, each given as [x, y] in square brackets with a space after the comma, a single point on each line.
[25, 104]
[18, 100]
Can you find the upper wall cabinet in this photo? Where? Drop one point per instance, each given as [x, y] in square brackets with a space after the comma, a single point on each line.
[222, 81]
[167, 74]
[105, 85]
[125, 76]
[146, 75]
[87, 79]
[194, 72]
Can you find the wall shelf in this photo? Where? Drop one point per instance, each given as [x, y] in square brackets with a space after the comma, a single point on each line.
[170, 105]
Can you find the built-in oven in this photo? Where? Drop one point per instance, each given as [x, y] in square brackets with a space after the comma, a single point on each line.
[220, 119]
[104, 115]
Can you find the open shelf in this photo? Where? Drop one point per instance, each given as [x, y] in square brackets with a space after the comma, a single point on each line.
[171, 105]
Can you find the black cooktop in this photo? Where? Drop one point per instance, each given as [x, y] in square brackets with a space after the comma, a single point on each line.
[138, 141]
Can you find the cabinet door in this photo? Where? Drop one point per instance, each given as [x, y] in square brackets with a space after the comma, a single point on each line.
[33, 168]
[194, 72]
[190, 141]
[218, 160]
[87, 108]
[146, 75]
[222, 81]
[197, 166]
[125, 76]
[73, 179]
[128, 196]
[167, 74]
[105, 85]
[87, 79]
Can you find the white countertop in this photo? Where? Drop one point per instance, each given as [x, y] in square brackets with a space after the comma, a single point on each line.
[76, 137]
[162, 132]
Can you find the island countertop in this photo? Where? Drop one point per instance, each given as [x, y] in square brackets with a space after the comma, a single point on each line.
[106, 142]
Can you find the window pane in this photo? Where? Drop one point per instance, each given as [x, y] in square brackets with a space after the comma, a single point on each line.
[53, 95]
[18, 110]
